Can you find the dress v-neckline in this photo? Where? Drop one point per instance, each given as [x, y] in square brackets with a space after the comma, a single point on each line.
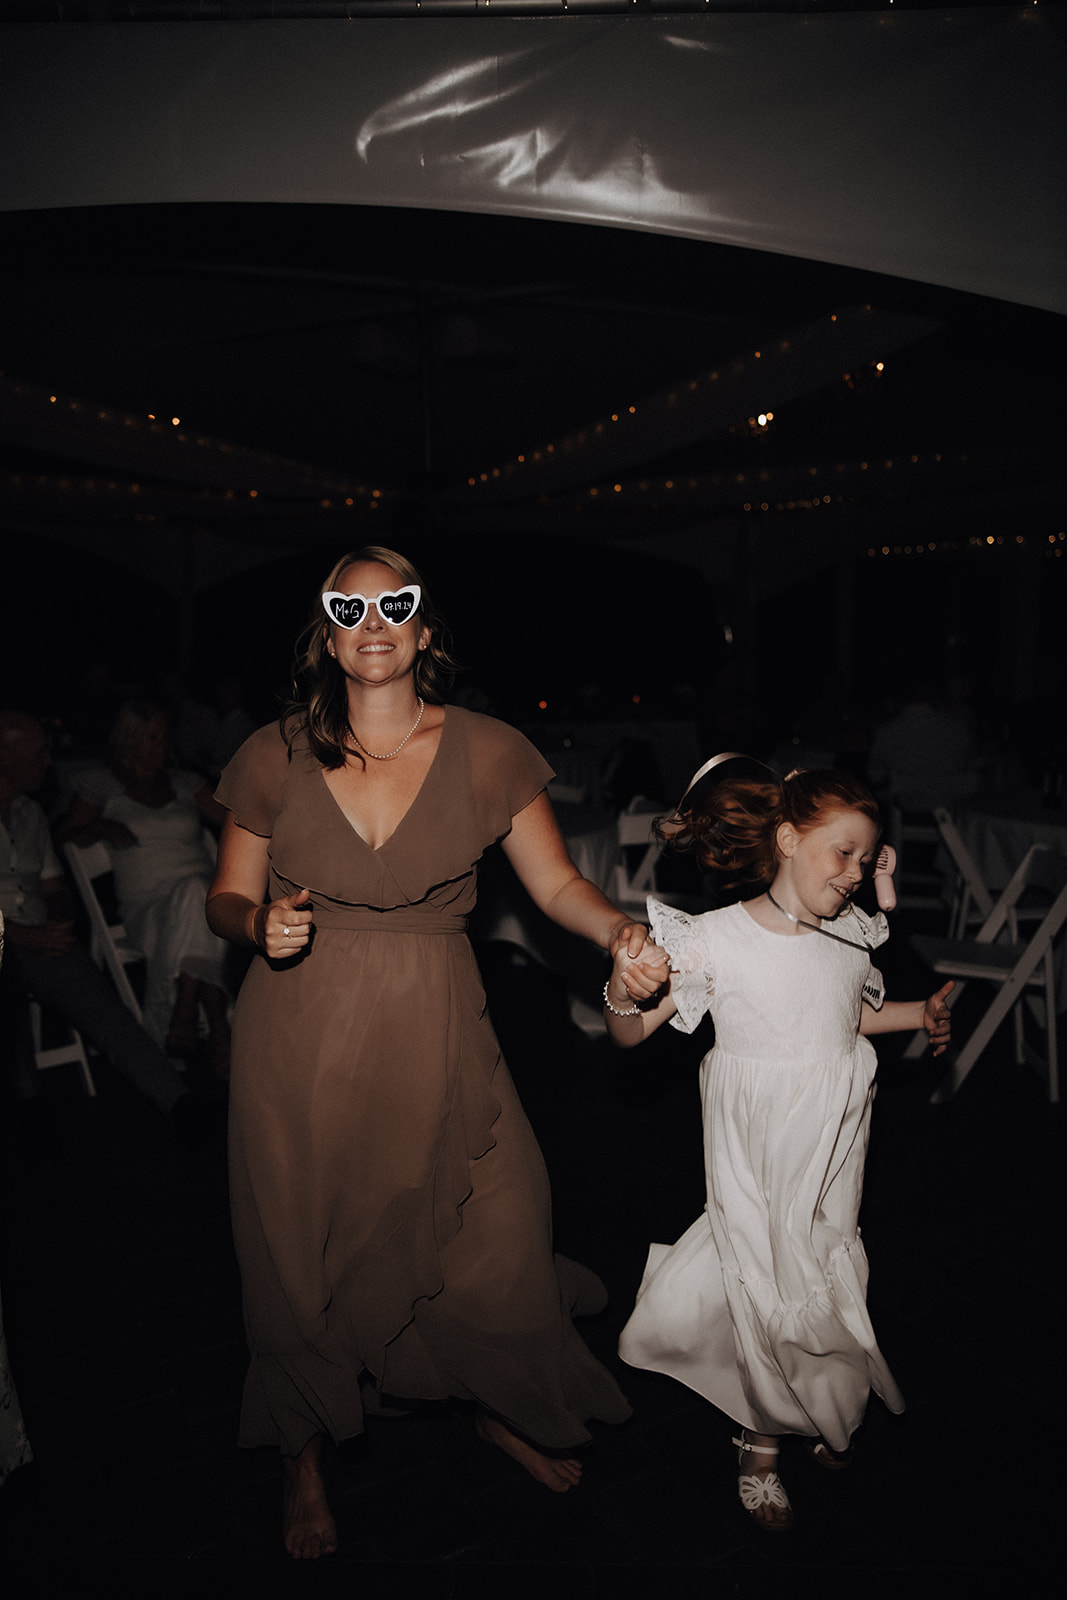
[376, 849]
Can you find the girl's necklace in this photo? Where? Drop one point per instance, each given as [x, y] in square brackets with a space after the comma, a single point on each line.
[812, 925]
[403, 742]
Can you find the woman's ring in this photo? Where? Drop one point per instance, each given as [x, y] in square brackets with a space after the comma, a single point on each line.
[285, 932]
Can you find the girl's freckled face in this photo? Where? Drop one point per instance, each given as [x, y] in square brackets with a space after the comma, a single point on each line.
[827, 863]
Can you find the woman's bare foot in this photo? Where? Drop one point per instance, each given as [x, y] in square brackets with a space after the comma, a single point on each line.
[558, 1473]
[308, 1528]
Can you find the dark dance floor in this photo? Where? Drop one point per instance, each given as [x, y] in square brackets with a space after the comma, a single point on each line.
[123, 1319]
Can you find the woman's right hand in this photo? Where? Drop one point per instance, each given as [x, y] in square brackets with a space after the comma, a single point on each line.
[282, 929]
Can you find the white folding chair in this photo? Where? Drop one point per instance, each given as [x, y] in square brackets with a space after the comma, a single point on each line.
[1017, 968]
[71, 1053]
[635, 874]
[108, 944]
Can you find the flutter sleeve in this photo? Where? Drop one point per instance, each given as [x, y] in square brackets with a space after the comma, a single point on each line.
[692, 983]
[866, 933]
[253, 782]
[506, 773]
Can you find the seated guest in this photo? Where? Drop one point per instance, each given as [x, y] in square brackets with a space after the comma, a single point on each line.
[42, 955]
[925, 755]
[232, 724]
[153, 818]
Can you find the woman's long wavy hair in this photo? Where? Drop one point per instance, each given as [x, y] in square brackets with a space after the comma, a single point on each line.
[318, 701]
[735, 832]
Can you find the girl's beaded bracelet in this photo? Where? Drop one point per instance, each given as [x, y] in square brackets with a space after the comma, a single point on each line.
[634, 1011]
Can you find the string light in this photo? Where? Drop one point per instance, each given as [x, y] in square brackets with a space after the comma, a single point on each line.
[291, 478]
[694, 390]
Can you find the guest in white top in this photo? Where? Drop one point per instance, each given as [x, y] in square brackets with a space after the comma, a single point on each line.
[43, 956]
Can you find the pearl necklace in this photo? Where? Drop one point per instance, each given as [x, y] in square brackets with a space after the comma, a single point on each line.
[403, 742]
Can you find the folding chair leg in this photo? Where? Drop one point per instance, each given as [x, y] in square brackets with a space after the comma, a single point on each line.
[1053, 1058]
[1048, 1067]
[70, 1054]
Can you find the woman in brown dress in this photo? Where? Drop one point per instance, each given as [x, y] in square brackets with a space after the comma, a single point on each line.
[391, 1206]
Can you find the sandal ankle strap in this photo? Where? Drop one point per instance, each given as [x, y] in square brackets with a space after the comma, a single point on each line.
[756, 1449]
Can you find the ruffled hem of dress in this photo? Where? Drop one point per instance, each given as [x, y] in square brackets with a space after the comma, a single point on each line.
[822, 1349]
[407, 1268]
[292, 1394]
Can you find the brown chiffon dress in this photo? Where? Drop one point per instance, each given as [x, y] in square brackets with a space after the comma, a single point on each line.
[391, 1207]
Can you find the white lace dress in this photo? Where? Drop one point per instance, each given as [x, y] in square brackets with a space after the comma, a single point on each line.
[761, 1305]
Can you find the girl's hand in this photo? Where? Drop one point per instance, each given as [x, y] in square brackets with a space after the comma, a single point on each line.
[283, 928]
[937, 1019]
[641, 978]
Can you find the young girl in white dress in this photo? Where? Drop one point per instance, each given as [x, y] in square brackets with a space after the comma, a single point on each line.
[761, 1305]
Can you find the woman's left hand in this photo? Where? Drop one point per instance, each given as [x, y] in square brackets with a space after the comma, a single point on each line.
[937, 1019]
[629, 936]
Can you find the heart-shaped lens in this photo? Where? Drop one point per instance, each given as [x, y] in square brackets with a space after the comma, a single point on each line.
[399, 606]
[347, 610]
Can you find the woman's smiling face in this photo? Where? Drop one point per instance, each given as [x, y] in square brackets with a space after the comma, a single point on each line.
[375, 651]
[821, 868]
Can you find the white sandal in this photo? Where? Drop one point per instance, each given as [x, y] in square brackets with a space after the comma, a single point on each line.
[758, 1492]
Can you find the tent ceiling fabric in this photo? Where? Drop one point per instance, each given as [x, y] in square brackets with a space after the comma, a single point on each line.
[851, 138]
[350, 258]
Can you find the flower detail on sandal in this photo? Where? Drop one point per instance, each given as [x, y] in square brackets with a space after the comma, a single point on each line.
[759, 1492]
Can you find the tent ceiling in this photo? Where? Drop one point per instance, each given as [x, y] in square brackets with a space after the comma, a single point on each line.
[359, 286]
[319, 354]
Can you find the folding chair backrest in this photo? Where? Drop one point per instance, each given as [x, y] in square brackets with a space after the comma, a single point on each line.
[635, 875]
[1033, 871]
[1046, 872]
[109, 946]
[970, 889]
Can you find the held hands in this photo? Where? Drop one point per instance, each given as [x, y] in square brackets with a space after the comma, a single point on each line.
[634, 980]
[937, 1018]
[283, 928]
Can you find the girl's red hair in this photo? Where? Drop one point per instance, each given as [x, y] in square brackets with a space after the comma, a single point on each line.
[734, 832]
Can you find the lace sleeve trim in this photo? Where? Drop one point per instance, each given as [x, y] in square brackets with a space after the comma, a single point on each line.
[692, 985]
[874, 931]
